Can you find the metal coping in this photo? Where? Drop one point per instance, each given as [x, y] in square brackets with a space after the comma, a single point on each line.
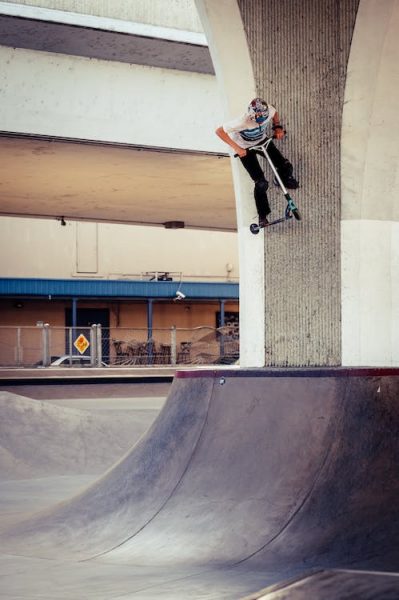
[268, 372]
[44, 381]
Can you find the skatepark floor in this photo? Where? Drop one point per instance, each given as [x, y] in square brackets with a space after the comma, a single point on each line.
[136, 405]
[222, 486]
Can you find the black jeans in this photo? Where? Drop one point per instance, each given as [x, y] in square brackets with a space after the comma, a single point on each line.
[255, 171]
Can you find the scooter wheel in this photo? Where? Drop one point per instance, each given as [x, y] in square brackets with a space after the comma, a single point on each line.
[254, 228]
[297, 214]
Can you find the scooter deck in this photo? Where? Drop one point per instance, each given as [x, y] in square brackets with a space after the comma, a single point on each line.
[255, 228]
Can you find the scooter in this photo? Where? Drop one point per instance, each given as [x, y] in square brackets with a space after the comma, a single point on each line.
[291, 210]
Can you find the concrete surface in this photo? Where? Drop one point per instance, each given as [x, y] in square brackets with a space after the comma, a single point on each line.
[370, 186]
[60, 375]
[246, 479]
[64, 449]
[42, 438]
[75, 178]
[133, 392]
[345, 585]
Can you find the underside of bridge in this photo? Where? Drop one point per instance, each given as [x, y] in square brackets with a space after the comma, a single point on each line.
[81, 180]
[53, 176]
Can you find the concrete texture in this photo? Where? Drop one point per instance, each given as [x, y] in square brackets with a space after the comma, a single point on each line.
[345, 585]
[298, 52]
[370, 187]
[92, 390]
[106, 39]
[330, 286]
[247, 478]
[300, 67]
[76, 178]
[41, 439]
[180, 13]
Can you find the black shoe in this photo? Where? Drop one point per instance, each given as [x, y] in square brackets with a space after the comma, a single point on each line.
[290, 183]
[263, 221]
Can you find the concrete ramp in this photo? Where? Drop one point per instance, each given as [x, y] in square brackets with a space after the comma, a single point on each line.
[334, 584]
[245, 471]
[39, 439]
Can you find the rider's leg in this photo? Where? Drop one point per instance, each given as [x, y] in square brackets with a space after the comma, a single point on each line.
[251, 164]
[261, 200]
[283, 166]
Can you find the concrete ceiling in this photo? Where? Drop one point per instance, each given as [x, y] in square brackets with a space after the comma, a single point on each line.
[52, 178]
[120, 46]
[75, 179]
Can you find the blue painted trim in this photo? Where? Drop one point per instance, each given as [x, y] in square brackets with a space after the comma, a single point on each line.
[98, 288]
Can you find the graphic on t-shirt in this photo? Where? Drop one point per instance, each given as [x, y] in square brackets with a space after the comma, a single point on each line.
[253, 135]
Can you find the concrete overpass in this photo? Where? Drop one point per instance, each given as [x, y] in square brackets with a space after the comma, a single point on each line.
[87, 122]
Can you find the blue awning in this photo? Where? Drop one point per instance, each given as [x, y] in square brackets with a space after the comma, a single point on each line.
[98, 288]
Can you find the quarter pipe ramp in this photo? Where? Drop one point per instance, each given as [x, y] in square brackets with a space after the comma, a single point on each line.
[256, 474]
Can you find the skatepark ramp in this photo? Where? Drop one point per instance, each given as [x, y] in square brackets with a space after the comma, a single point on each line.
[249, 476]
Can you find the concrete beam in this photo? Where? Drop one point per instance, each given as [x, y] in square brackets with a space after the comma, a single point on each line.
[103, 38]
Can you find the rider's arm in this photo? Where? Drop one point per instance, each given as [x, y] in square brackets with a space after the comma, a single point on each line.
[276, 120]
[278, 130]
[220, 132]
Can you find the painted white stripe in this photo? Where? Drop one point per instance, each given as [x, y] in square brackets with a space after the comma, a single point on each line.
[103, 23]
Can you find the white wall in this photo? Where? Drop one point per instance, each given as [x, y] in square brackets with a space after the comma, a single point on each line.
[42, 248]
[370, 190]
[59, 95]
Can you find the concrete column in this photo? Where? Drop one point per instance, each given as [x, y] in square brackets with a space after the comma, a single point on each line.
[296, 52]
[370, 190]
[223, 27]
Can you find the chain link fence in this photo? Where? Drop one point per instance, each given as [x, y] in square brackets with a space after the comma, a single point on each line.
[96, 346]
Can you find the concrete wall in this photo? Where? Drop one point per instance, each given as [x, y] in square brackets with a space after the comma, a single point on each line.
[54, 94]
[43, 248]
[180, 14]
[370, 189]
[58, 95]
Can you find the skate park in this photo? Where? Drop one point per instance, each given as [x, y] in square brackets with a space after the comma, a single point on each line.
[277, 478]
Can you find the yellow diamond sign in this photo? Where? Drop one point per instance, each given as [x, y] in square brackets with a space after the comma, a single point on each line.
[81, 343]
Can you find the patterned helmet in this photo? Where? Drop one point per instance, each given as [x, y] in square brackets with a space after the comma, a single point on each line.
[258, 110]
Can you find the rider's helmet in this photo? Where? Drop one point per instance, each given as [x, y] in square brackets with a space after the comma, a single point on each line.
[258, 110]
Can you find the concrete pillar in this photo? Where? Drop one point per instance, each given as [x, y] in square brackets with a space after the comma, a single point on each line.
[227, 41]
[370, 190]
[297, 53]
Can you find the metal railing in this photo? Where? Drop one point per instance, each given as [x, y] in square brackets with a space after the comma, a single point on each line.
[96, 346]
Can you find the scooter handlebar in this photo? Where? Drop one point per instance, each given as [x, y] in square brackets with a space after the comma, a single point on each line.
[259, 147]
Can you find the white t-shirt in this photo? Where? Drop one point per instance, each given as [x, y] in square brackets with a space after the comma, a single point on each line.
[245, 132]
